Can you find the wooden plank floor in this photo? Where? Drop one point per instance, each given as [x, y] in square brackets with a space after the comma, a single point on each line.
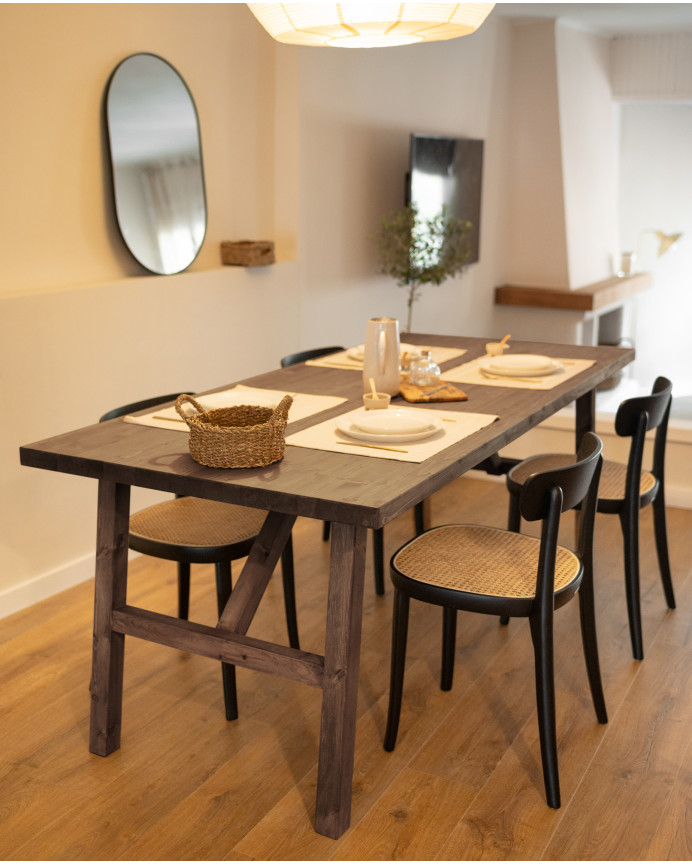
[464, 781]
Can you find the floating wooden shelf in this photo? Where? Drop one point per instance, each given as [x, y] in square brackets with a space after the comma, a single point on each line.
[592, 297]
[248, 253]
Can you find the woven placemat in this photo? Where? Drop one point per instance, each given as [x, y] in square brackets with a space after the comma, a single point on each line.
[441, 392]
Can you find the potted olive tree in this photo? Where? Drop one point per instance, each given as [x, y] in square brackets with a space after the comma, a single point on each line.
[417, 250]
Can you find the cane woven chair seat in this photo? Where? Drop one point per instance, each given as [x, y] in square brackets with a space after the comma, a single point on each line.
[613, 476]
[193, 522]
[481, 560]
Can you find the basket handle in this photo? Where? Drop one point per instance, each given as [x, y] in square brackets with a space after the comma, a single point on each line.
[281, 411]
[184, 397]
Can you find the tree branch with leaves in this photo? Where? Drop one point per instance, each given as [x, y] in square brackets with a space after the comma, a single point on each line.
[416, 251]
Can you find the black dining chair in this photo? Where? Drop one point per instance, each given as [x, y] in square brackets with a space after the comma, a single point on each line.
[377, 534]
[487, 570]
[188, 530]
[626, 489]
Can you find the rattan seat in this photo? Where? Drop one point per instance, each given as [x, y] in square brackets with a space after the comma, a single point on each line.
[190, 530]
[377, 534]
[480, 560]
[624, 490]
[482, 569]
[192, 522]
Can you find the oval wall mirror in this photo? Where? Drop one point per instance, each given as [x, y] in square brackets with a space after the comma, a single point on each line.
[156, 161]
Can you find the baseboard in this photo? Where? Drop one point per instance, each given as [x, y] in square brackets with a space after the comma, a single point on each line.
[46, 585]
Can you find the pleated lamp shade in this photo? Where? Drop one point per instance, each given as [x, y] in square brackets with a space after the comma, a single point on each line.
[368, 25]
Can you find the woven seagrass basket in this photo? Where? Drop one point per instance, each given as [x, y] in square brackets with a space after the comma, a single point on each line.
[240, 436]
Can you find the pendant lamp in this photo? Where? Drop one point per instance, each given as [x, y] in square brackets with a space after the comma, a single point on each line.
[368, 25]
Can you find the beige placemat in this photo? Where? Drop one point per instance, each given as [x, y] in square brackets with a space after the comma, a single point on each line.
[455, 426]
[304, 405]
[471, 373]
[342, 360]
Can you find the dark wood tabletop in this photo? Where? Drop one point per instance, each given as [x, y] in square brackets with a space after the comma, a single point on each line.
[337, 487]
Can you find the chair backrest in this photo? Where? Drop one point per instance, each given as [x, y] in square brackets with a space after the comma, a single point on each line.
[634, 418]
[656, 406]
[546, 495]
[142, 404]
[309, 354]
[574, 480]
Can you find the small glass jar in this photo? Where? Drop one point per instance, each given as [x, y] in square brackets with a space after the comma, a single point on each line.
[424, 371]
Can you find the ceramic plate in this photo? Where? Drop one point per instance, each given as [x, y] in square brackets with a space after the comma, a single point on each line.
[346, 427]
[392, 421]
[521, 365]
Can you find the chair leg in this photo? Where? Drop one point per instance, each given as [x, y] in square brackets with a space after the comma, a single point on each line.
[326, 527]
[587, 617]
[419, 518]
[288, 576]
[223, 593]
[629, 520]
[661, 535]
[542, 636]
[378, 559]
[513, 525]
[183, 590]
[514, 515]
[449, 639]
[396, 678]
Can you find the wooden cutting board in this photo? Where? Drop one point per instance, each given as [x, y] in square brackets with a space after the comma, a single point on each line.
[449, 393]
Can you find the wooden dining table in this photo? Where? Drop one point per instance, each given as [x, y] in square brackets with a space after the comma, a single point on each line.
[353, 492]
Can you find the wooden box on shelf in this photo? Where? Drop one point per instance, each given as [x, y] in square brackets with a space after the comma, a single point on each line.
[247, 253]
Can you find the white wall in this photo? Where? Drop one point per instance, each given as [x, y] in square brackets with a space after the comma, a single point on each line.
[589, 135]
[655, 193]
[537, 248]
[306, 146]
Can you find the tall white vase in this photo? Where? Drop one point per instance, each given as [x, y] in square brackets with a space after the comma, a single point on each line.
[381, 355]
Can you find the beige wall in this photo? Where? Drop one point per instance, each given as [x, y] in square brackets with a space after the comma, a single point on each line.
[306, 146]
[589, 123]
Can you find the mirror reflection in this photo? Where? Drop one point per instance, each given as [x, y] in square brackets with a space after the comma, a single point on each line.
[156, 160]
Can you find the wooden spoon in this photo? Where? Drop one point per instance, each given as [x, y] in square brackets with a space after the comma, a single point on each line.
[373, 388]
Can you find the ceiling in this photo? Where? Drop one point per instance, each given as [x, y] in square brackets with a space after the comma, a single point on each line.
[608, 19]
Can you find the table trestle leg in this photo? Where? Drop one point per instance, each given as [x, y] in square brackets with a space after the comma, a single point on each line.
[110, 593]
[257, 571]
[340, 685]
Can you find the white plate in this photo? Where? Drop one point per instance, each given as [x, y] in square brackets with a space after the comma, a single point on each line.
[347, 428]
[358, 351]
[521, 365]
[392, 421]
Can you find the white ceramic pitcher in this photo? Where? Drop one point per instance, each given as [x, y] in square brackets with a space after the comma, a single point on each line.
[381, 355]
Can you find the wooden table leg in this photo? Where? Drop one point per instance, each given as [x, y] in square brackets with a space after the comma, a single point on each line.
[585, 420]
[110, 591]
[340, 694]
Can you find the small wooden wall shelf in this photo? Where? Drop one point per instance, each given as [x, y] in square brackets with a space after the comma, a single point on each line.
[248, 253]
[590, 298]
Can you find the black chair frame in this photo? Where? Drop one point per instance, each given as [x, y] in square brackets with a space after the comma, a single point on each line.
[545, 497]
